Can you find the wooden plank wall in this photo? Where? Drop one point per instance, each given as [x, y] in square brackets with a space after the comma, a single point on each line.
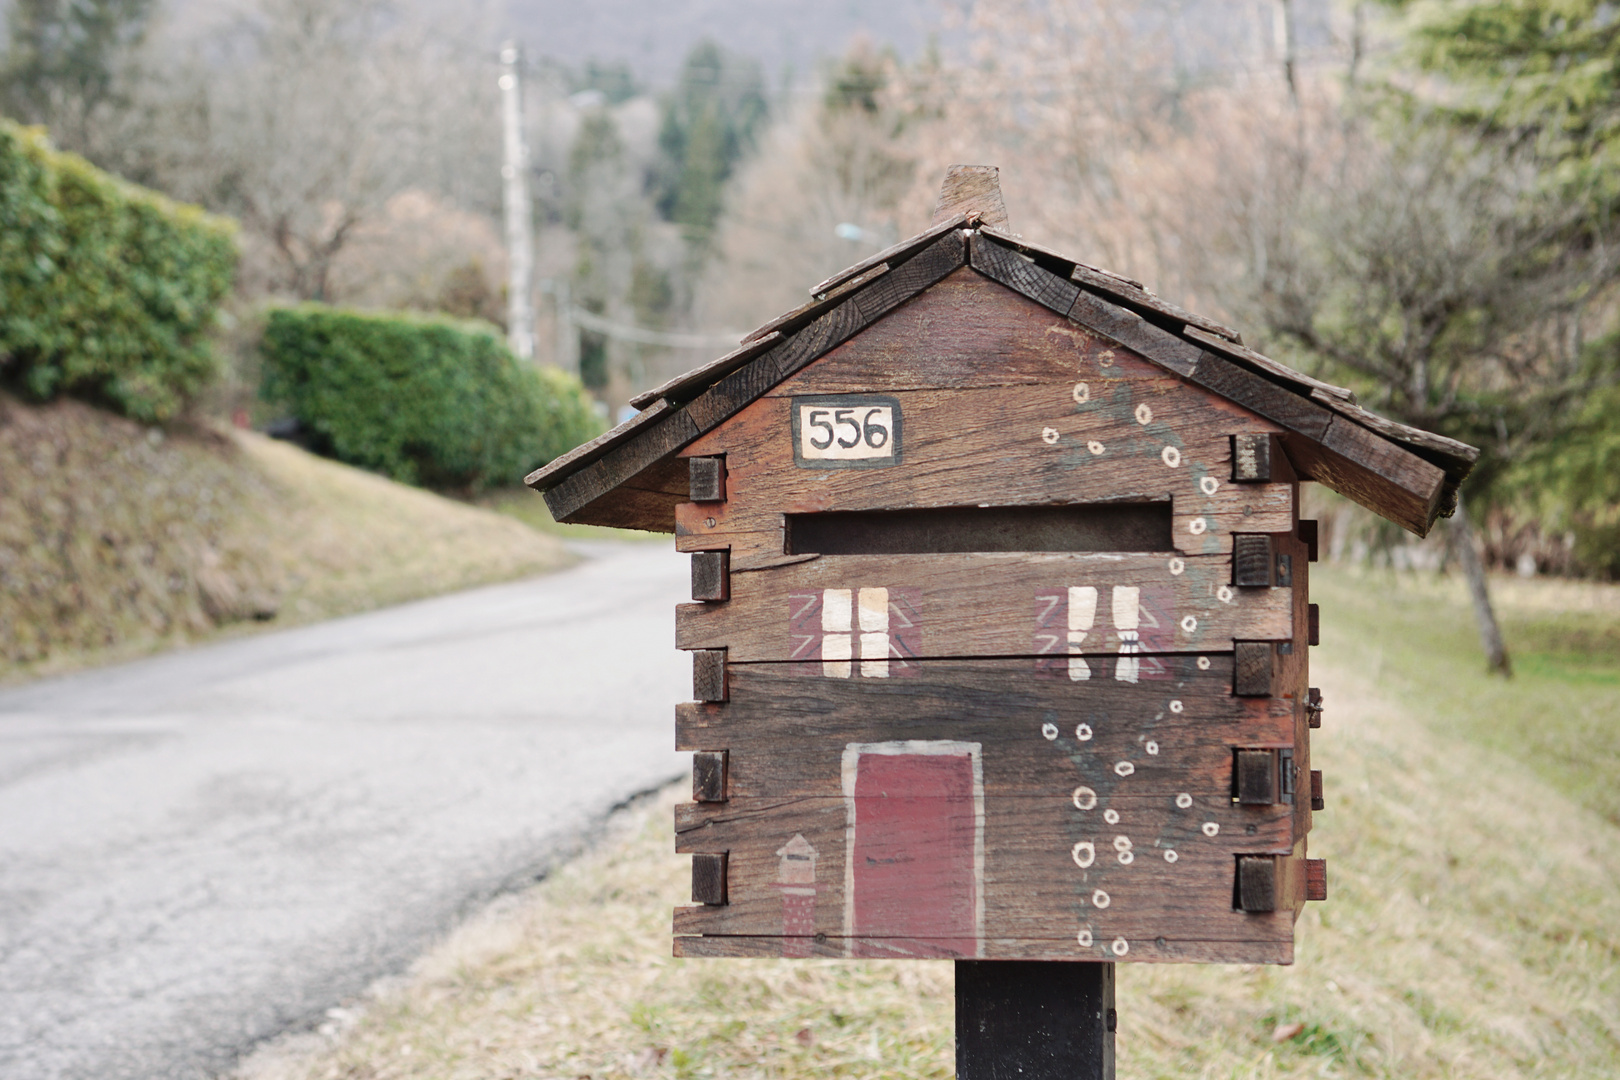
[1087, 700]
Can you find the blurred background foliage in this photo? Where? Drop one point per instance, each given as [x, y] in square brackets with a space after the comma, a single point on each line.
[1413, 198]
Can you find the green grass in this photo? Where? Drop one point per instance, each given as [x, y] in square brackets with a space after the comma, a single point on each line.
[1472, 928]
[1559, 715]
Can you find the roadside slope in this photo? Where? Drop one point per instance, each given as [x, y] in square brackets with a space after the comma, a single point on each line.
[117, 539]
[1472, 930]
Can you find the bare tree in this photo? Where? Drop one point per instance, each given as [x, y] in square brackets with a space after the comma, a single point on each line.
[302, 118]
[1420, 266]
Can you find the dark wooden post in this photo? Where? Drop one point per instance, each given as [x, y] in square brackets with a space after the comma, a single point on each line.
[1034, 1020]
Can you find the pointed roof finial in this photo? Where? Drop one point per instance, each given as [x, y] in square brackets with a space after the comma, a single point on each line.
[974, 190]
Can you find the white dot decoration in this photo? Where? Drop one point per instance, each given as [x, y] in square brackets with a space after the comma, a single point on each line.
[1211, 828]
[1184, 800]
[1197, 526]
[1099, 899]
[1170, 855]
[1209, 485]
[1049, 435]
[1084, 939]
[1083, 732]
[1084, 853]
[1203, 663]
[1224, 594]
[1177, 567]
[1096, 447]
[1106, 358]
[1189, 623]
[1050, 731]
[1176, 705]
[1082, 393]
[1120, 946]
[1171, 456]
[1085, 798]
[1124, 768]
[1152, 747]
[1122, 843]
[1126, 858]
[1111, 816]
[1144, 415]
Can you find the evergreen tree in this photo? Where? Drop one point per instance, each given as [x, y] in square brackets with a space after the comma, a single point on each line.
[1542, 76]
[63, 59]
[710, 122]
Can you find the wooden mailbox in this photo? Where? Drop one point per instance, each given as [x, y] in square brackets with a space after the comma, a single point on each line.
[1001, 627]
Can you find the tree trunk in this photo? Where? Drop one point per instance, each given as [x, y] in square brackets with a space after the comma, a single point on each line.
[1490, 635]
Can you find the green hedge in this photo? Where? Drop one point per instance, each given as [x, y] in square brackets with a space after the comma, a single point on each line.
[424, 400]
[107, 290]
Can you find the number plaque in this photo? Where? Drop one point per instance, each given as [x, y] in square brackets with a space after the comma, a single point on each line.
[859, 431]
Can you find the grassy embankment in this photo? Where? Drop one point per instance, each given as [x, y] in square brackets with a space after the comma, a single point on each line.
[117, 540]
[1473, 926]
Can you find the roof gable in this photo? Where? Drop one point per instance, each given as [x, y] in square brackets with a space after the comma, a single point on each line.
[631, 477]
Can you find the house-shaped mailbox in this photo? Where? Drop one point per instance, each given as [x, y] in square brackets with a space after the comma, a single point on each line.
[1000, 641]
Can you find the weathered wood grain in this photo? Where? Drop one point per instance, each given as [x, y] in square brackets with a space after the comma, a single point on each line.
[1267, 399]
[709, 776]
[1251, 458]
[973, 191]
[989, 605]
[1040, 732]
[1157, 950]
[550, 473]
[706, 479]
[1031, 884]
[1313, 624]
[1252, 561]
[618, 467]
[1254, 668]
[1317, 802]
[894, 255]
[790, 321]
[709, 878]
[1131, 440]
[1255, 772]
[682, 387]
[1316, 879]
[711, 577]
[1257, 883]
[709, 675]
[1222, 345]
[1021, 274]
[838, 324]
[964, 331]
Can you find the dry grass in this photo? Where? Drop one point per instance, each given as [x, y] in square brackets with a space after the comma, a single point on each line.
[1473, 930]
[116, 540]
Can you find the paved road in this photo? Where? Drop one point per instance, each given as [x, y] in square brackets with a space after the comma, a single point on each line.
[200, 850]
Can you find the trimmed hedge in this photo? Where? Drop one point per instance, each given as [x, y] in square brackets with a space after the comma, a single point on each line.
[107, 290]
[424, 400]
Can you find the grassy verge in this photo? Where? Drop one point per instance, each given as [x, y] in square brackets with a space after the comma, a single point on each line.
[118, 540]
[1472, 930]
[529, 507]
[1559, 716]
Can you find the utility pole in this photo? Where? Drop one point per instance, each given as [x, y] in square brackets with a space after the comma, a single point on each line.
[515, 188]
[1283, 29]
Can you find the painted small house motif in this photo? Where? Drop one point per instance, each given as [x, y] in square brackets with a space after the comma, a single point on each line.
[1001, 622]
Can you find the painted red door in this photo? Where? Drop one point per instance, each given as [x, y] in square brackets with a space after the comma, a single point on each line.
[914, 855]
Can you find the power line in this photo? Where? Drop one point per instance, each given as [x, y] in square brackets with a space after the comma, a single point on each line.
[642, 336]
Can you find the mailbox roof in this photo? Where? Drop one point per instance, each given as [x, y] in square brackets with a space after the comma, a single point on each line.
[631, 476]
